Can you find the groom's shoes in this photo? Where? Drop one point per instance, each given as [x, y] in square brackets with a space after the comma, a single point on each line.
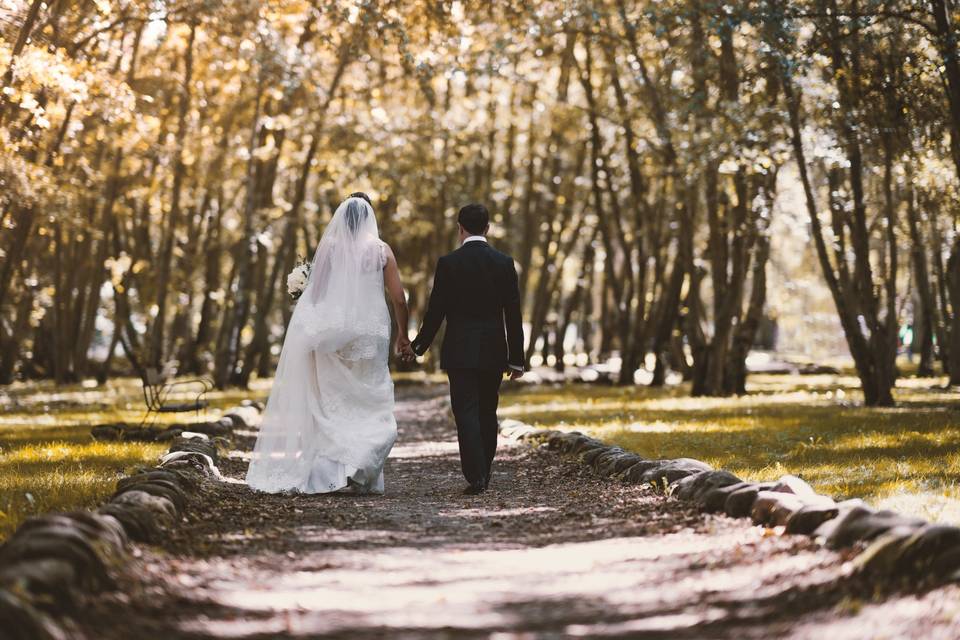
[475, 488]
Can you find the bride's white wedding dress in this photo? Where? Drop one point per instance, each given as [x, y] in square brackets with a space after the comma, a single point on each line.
[329, 421]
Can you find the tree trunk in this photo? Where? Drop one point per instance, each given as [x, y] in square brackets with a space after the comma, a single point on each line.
[164, 284]
[846, 298]
[953, 282]
[924, 317]
[943, 293]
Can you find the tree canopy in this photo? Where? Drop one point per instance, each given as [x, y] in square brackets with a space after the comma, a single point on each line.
[164, 164]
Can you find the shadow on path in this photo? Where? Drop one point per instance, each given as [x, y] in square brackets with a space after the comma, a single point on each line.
[550, 551]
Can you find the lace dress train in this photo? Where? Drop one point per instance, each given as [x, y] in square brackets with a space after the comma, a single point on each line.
[329, 422]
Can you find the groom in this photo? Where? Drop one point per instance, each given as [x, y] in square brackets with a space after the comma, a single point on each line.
[475, 288]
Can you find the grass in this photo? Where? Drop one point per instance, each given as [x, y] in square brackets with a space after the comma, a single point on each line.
[49, 461]
[906, 458]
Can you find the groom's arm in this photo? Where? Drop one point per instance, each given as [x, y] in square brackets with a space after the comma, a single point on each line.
[513, 322]
[436, 310]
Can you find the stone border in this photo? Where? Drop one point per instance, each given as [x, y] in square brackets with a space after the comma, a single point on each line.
[895, 548]
[52, 561]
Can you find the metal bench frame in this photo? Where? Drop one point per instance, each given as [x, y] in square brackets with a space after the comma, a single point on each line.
[156, 391]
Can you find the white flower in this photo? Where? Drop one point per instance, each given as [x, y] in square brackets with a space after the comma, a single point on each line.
[297, 279]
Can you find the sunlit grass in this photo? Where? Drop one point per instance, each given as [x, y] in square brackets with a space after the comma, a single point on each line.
[907, 458]
[49, 461]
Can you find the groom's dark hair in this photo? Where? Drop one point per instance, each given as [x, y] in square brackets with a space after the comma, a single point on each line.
[474, 218]
[361, 195]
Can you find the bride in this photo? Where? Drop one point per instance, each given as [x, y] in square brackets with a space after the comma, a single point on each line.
[329, 421]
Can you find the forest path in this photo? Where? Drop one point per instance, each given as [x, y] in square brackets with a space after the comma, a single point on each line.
[549, 551]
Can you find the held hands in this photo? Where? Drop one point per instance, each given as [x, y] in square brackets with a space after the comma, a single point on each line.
[405, 350]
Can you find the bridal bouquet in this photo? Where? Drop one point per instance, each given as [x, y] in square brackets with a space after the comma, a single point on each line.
[297, 279]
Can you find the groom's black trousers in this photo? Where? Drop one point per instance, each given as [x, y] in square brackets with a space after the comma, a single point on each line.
[474, 395]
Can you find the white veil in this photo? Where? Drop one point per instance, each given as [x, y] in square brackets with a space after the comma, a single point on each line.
[332, 398]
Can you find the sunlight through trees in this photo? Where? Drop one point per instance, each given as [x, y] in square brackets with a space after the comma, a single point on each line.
[165, 164]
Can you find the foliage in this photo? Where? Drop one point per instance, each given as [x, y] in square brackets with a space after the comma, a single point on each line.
[164, 163]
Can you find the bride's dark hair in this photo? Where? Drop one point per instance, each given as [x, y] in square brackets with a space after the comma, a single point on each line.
[362, 196]
[356, 213]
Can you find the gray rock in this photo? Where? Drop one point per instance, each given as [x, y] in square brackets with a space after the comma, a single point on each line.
[509, 423]
[673, 470]
[871, 526]
[195, 446]
[103, 528]
[850, 503]
[610, 454]
[115, 526]
[614, 464]
[236, 421]
[681, 486]
[19, 620]
[159, 488]
[140, 434]
[774, 508]
[170, 434]
[139, 523]
[740, 502]
[704, 482]
[162, 508]
[59, 542]
[522, 432]
[49, 579]
[932, 551]
[107, 432]
[104, 532]
[625, 462]
[879, 559]
[583, 444]
[713, 500]
[191, 465]
[948, 565]
[862, 524]
[562, 442]
[256, 404]
[590, 455]
[635, 472]
[184, 481]
[243, 417]
[194, 435]
[532, 435]
[794, 485]
[515, 429]
[848, 514]
[192, 460]
[810, 516]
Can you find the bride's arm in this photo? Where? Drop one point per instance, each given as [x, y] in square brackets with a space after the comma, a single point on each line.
[391, 278]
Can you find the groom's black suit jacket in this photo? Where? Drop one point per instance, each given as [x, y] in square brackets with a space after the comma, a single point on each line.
[475, 288]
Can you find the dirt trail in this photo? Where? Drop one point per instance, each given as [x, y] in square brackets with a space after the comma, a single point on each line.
[549, 551]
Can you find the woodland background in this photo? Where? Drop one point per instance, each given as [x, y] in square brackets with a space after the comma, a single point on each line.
[680, 181]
